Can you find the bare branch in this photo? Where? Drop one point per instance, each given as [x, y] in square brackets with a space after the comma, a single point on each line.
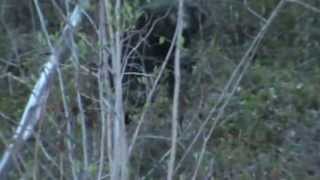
[233, 83]
[119, 165]
[305, 5]
[175, 107]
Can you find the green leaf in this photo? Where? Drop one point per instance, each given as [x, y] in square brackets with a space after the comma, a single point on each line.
[162, 39]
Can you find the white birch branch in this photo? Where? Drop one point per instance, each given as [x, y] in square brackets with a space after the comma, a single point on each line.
[39, 95]
[175, 106]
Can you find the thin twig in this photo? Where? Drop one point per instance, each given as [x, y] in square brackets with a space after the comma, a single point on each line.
[175, 106]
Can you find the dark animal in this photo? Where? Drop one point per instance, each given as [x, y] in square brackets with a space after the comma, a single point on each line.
[156, 28]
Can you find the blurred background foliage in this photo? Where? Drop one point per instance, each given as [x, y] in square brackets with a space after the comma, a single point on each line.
[270, 129]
